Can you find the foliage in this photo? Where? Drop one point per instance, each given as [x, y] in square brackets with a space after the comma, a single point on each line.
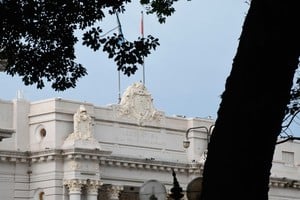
[37, 38]
[293, 108]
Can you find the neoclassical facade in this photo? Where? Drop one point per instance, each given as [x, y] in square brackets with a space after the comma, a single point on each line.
[59, 149]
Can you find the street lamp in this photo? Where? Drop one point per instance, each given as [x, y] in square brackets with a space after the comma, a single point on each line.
[176, 190]
[186, 142]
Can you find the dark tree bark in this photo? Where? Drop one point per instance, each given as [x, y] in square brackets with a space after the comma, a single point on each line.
[253, 104]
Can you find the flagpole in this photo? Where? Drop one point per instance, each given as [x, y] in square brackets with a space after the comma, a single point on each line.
[142, 33]
[119, 73]
[119, 87]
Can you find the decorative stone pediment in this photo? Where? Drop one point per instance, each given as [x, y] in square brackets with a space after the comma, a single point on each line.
[137, 104]
[83, 136]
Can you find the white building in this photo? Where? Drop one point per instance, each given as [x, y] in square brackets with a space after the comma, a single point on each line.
[59, 149]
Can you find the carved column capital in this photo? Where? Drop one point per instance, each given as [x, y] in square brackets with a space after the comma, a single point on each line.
[74, 185]
[93, 186]
[115, 191]
[111, 192]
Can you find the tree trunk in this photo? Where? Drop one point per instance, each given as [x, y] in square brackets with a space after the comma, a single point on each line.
[253, 105]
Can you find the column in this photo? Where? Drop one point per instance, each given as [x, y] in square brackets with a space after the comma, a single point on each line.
[74, 187]
[92, 189]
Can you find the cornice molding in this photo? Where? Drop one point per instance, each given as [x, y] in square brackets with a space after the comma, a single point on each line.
[103, 157]
[147, 164]
[14, 156]
[52, 154]
[6, 133]
[284, 183]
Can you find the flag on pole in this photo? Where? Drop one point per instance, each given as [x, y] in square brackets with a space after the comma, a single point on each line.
[142, 24]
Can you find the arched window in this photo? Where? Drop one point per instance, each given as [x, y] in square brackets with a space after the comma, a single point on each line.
[41, 195]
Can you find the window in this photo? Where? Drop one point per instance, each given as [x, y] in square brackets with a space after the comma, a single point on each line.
[41, 196]
[288, 157]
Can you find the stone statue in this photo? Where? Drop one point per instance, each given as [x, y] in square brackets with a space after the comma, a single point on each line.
[82, 136]
[82, 124]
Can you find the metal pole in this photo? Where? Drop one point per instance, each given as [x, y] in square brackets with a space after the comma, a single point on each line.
[119, 87]
[142, 33]
[176, 190]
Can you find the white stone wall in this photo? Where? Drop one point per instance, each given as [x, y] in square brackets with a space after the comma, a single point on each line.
[125, 148]
[287, 168]
[7, 184]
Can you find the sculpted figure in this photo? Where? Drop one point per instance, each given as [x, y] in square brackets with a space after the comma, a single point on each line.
[82, 135]
[82, 123]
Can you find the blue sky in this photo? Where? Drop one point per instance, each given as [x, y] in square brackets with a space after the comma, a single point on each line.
[185, 75]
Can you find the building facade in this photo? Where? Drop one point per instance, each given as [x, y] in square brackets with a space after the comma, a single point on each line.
[60, 149]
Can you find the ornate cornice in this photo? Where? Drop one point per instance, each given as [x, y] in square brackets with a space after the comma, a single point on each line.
[148, 164]
[106, 160]
[103, 157]
[14, 156]
[51, 154]
[284, 183]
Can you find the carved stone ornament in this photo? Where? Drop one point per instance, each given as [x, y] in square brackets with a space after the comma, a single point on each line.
[115, 191]
[93, 186]
[82, 136]
[74, 165]
[137, 104]
[74, 185]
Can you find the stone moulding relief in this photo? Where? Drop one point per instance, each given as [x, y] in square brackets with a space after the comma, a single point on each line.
[137, 104]
[82, 124]
[82, 135]
[74, 165]
[76, 185]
